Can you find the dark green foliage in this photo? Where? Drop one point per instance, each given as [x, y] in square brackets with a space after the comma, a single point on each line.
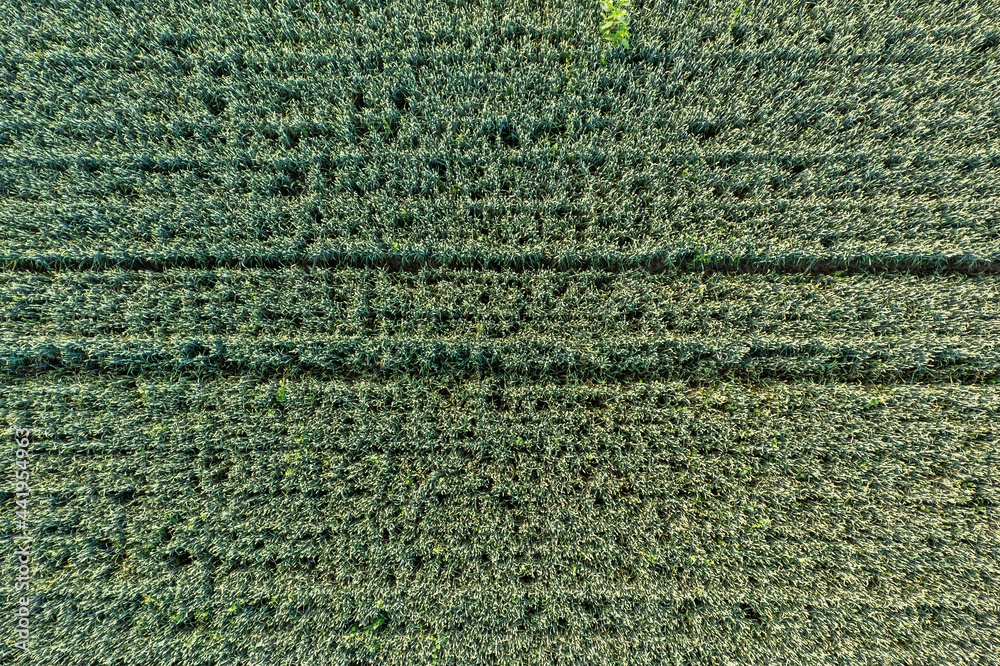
[758, 514]
[407, 333]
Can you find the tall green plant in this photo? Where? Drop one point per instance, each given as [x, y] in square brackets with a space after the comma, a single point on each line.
[614, 26]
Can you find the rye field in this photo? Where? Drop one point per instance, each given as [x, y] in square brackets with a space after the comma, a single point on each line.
[468, 332]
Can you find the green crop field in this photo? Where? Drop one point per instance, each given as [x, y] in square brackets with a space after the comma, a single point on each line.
[473, 332]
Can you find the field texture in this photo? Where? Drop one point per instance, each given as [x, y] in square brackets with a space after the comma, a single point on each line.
[452, 333]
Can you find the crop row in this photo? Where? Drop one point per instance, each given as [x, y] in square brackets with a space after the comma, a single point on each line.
[700, 54]
[477, 27]
[219, 227]
[696, 359]
[65, 99]
[417, 260]
[700, 518]
[651, 108]
[533, 175]
[477, 305]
